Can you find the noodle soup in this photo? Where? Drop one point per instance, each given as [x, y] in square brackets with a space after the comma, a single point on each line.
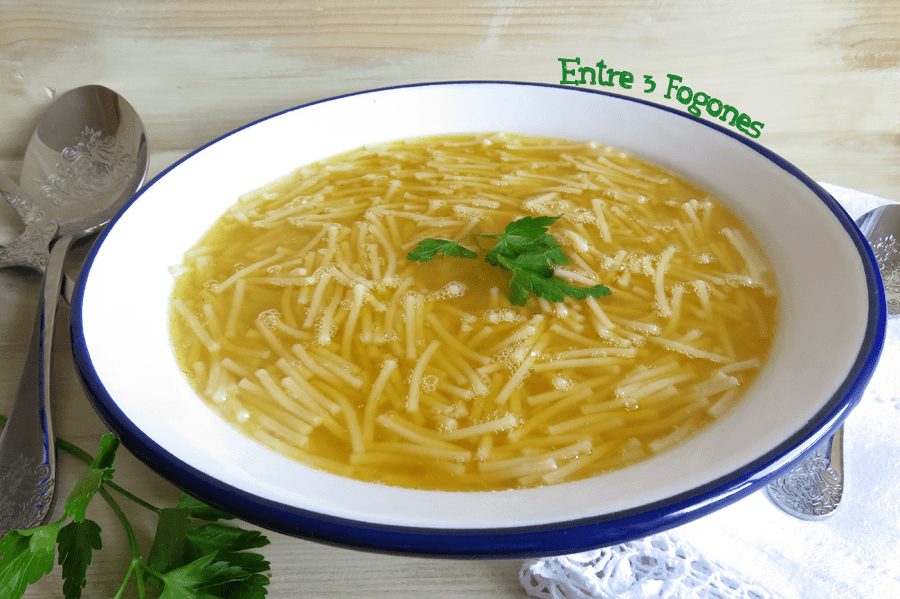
[299, 318]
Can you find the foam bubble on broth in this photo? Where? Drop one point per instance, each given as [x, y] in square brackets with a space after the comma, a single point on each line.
[300, 320]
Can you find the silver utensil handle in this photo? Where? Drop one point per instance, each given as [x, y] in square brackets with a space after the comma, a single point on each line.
[881, 227]
[812, 489]
[32, 248]
[27, 447]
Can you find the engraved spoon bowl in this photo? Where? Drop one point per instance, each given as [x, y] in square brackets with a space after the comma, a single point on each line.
[87, 157]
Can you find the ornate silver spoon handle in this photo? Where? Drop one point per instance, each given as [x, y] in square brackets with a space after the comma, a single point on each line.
[881, 227]
[32, 248]
[27, 448]
[813, 489]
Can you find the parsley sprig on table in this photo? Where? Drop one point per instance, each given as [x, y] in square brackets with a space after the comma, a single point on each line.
[527, 250]
[193, 555]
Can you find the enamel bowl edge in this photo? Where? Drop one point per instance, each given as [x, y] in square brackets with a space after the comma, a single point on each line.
[831, 298]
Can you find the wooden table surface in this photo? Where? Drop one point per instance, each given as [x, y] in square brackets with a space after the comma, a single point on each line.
[822, 75]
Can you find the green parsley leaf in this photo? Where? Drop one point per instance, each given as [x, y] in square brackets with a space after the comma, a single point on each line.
[214, 537]
[528, 251]
[201, 511]
[27, 556]
[555, 289]
[201, 579]
[178, 544]
[427, 249]
[106, 454]
[77, 542]
[521, 234]
[252, 587]
[189, 562]
[168, 545]
[230, 544]
[99, 472]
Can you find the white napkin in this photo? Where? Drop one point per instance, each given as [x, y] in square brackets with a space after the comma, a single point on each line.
[752, 549]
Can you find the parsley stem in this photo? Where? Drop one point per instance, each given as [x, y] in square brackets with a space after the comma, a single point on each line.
[133, 497]
[132, 541]
[132, 569]
[75, 451]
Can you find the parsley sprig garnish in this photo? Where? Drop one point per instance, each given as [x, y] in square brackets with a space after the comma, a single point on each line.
[193, 555]
[525, 249]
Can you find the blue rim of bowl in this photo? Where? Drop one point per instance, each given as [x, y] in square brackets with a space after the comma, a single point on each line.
[555, 538]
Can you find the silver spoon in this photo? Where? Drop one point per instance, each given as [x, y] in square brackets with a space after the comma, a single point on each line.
[31, 249]
[881, 227]
[813, 489]
[86, 159]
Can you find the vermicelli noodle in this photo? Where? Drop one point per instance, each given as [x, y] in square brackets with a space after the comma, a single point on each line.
[300, 320]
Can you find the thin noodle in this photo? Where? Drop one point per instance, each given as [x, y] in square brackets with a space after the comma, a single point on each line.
[301, 321]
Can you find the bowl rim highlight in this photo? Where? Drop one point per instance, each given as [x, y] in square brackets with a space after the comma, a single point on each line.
[561, 535]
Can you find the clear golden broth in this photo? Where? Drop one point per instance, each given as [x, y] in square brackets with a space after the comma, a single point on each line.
[300, 320]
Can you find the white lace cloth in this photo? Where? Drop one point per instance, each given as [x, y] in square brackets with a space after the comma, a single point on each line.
[658, 566]
[753, 550]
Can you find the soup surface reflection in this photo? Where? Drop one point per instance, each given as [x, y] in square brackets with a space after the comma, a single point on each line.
[299, 318]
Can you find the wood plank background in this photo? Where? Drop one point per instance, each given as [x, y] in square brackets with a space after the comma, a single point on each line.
[822, 75]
